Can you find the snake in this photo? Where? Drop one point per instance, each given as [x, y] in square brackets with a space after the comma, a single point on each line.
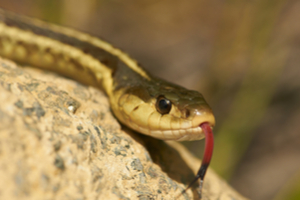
[139, 100]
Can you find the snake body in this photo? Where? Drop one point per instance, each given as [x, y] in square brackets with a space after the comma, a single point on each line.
[139, 100]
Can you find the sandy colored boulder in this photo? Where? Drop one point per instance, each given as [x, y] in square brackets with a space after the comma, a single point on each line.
[59, 140]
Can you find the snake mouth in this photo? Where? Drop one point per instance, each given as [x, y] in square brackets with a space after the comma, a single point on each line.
[183, 134]
[195, 133]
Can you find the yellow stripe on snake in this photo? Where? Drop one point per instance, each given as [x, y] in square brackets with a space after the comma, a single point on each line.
[142, 102]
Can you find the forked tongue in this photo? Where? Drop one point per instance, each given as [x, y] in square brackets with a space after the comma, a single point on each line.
[208, 150]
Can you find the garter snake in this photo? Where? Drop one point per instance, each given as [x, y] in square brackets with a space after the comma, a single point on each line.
[139, 100]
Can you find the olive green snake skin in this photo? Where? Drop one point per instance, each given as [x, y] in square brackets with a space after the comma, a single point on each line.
[142, 102]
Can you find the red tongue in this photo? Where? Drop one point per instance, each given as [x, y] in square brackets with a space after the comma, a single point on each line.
[209, 145]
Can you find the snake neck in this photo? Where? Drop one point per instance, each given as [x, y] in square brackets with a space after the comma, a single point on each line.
[71, 53]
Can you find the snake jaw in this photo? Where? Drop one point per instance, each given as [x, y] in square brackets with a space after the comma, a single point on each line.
[195, 132]
[182, 134]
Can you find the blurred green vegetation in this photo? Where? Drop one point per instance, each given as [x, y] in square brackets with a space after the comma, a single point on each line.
[291, 189]
[51, 10]
[253, 29]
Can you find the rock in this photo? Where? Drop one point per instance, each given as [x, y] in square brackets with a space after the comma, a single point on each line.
[59, 140]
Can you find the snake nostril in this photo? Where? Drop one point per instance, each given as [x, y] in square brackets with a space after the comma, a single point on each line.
[137, 107]
[187, 113]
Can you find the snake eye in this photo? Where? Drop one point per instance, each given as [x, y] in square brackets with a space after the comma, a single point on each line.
[163, 105]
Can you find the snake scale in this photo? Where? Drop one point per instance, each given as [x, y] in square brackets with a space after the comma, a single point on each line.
[144, 103]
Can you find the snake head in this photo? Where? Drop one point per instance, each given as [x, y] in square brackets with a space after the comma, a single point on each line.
[163, 110]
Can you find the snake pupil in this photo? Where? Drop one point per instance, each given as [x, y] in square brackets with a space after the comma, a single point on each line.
[163, 105]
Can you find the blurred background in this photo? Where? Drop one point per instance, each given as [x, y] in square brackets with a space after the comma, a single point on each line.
[243, 56]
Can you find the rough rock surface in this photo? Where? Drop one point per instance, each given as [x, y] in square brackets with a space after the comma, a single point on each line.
[59, 140]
